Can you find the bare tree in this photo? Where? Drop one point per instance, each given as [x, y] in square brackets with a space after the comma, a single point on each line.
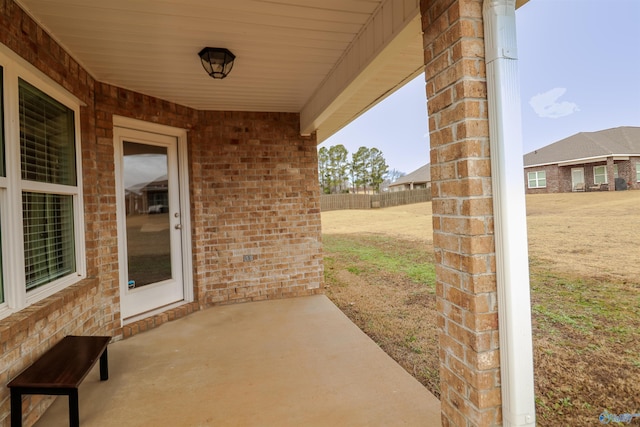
[394, 174]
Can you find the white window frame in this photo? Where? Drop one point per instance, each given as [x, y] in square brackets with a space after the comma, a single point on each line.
[637, 171]
[537, 179]
[12, 186]
[595, 175]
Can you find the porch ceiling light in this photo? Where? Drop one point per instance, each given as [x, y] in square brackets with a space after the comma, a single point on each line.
[217, 61]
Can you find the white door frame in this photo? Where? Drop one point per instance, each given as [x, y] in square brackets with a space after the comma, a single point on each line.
[183, 182]
[573, 182]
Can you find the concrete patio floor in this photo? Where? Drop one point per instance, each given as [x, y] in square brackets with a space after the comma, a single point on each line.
[291, 362]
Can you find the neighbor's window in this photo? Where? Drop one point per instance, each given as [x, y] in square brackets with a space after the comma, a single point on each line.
[638, 172]
[537, 179]
[600, 174]
[39, 187]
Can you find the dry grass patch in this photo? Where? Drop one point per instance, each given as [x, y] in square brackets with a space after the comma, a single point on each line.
[585, 289]
[587, 234]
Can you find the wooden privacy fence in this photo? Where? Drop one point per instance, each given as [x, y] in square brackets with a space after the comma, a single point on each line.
[332, 202]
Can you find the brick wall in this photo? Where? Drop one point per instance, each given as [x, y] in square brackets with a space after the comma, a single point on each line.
[254, 191]
[628, 170]
[29, 333]
[81, 308]
[564, 179]
[462, 212]
[257, 196]
[559, 179]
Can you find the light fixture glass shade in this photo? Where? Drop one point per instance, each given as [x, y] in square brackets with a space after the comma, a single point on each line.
[217, 61]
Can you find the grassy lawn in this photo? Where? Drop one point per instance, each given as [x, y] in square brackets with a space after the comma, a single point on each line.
[586, 347]
[585, 302]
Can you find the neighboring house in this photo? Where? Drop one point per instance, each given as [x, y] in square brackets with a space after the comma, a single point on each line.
[419, 178]
[606, 160]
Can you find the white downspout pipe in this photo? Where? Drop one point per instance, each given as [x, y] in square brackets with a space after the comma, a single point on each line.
[509, 206]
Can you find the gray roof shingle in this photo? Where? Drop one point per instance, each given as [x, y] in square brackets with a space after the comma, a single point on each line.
[418, 176]
[621, 141]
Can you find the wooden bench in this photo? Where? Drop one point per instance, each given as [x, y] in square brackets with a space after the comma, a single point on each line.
[59, 372]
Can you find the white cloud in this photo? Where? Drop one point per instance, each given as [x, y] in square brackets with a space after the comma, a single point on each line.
[546, 104]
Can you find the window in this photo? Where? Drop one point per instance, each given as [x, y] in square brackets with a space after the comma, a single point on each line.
[638, 172]
[47, 155]
[599, 174]
[41, 224]
[48, 238]
[47, 139]
[537, 179]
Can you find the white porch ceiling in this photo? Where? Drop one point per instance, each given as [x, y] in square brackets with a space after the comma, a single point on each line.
[329, 60]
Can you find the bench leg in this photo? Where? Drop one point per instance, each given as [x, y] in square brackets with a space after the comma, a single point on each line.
[16, 409]
[104, 366]
[74, 409]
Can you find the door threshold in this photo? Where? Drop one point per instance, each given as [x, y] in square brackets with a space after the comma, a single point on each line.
[153, 312]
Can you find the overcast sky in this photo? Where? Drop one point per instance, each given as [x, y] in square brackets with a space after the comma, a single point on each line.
[579, 63]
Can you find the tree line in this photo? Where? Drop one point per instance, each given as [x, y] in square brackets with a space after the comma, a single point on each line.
[366, 170]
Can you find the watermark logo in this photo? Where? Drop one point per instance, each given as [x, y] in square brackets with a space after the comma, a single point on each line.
[606, 417]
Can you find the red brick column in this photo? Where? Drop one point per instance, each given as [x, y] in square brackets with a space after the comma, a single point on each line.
[611, 176]
[462, 212]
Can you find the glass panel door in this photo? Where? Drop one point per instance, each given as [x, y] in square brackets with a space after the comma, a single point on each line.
[146, 192]
[149, 218]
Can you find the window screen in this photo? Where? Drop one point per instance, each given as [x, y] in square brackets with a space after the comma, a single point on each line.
[47, 155]
[47, 140]
[49, 251]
